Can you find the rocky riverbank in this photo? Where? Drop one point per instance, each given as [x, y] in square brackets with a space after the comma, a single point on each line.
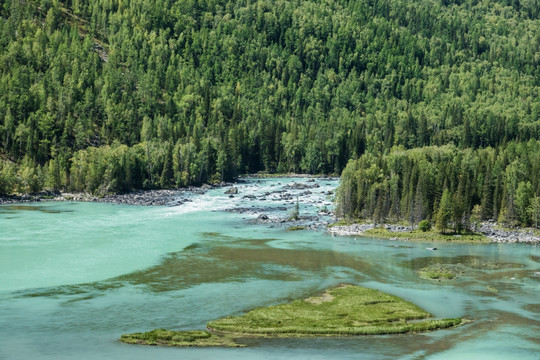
[138, 197]
[141, 197]
[496, 234]
[302, 222]
[488, 229]
[27, 198]
[169, 197]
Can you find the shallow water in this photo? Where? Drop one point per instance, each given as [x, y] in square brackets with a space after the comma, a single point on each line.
[75, 276]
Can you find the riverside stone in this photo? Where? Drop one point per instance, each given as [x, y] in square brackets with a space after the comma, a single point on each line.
[489, 229]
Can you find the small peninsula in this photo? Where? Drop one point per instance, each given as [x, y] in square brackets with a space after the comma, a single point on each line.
[342, 311]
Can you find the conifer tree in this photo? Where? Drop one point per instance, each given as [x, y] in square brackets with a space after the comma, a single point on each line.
[534, 211]
[444, 213]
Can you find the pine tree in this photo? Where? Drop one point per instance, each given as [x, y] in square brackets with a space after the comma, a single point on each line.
[167, 172]
[458, 209]
[534, 211]
[445, 212]
[417, 211]
[522, 200]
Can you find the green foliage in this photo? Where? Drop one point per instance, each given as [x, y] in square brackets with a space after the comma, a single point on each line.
[445, 212]
[431, 236]
[446, 184]
[180, 93]
[476, 216]
[424, 225]
[179, 338]
[7, 177]
[524, 194]
[534, 211]
[295, 228]
[440, 272]
[347, 310]
[295, 212]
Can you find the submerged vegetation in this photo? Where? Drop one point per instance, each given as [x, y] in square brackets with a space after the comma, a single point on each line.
[345, 310]
[440, 272]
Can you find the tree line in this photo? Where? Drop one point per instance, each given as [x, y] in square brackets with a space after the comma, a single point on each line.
[450, 187]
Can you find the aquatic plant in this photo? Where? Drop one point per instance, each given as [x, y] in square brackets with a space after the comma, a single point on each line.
[440, 272]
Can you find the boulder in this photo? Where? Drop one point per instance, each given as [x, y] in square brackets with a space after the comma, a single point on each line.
[232, 191]
[300, 186]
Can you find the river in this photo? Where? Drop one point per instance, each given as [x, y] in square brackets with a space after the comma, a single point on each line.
[74, 276]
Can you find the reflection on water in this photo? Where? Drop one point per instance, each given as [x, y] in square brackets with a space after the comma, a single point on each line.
[128, 269]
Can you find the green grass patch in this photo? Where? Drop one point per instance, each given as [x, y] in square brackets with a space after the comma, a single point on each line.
[47, 197]
[440, 272]
[180, 338]
[346, 310]
[418, 235]
[296, 228]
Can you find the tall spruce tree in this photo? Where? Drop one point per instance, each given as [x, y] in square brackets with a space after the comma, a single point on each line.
[444, 214]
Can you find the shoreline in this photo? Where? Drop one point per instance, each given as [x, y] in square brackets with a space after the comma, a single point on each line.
[157, 197]
[489, 229]
[349, 311]
[153, 197]
[173, 197]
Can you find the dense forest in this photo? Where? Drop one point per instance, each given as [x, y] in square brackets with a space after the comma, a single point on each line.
[431, 99]
[451, 187]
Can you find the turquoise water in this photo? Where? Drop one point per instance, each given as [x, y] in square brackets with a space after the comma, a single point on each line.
[75, 276]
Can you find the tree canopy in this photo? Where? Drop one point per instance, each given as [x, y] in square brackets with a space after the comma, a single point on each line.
[446, 185]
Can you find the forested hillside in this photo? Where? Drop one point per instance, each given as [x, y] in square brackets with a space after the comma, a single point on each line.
[111, 95]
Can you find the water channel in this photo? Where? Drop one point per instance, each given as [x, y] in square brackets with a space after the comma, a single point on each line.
[74, 276]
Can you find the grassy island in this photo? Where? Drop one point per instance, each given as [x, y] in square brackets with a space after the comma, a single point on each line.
[345, 310]
[180, 338]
